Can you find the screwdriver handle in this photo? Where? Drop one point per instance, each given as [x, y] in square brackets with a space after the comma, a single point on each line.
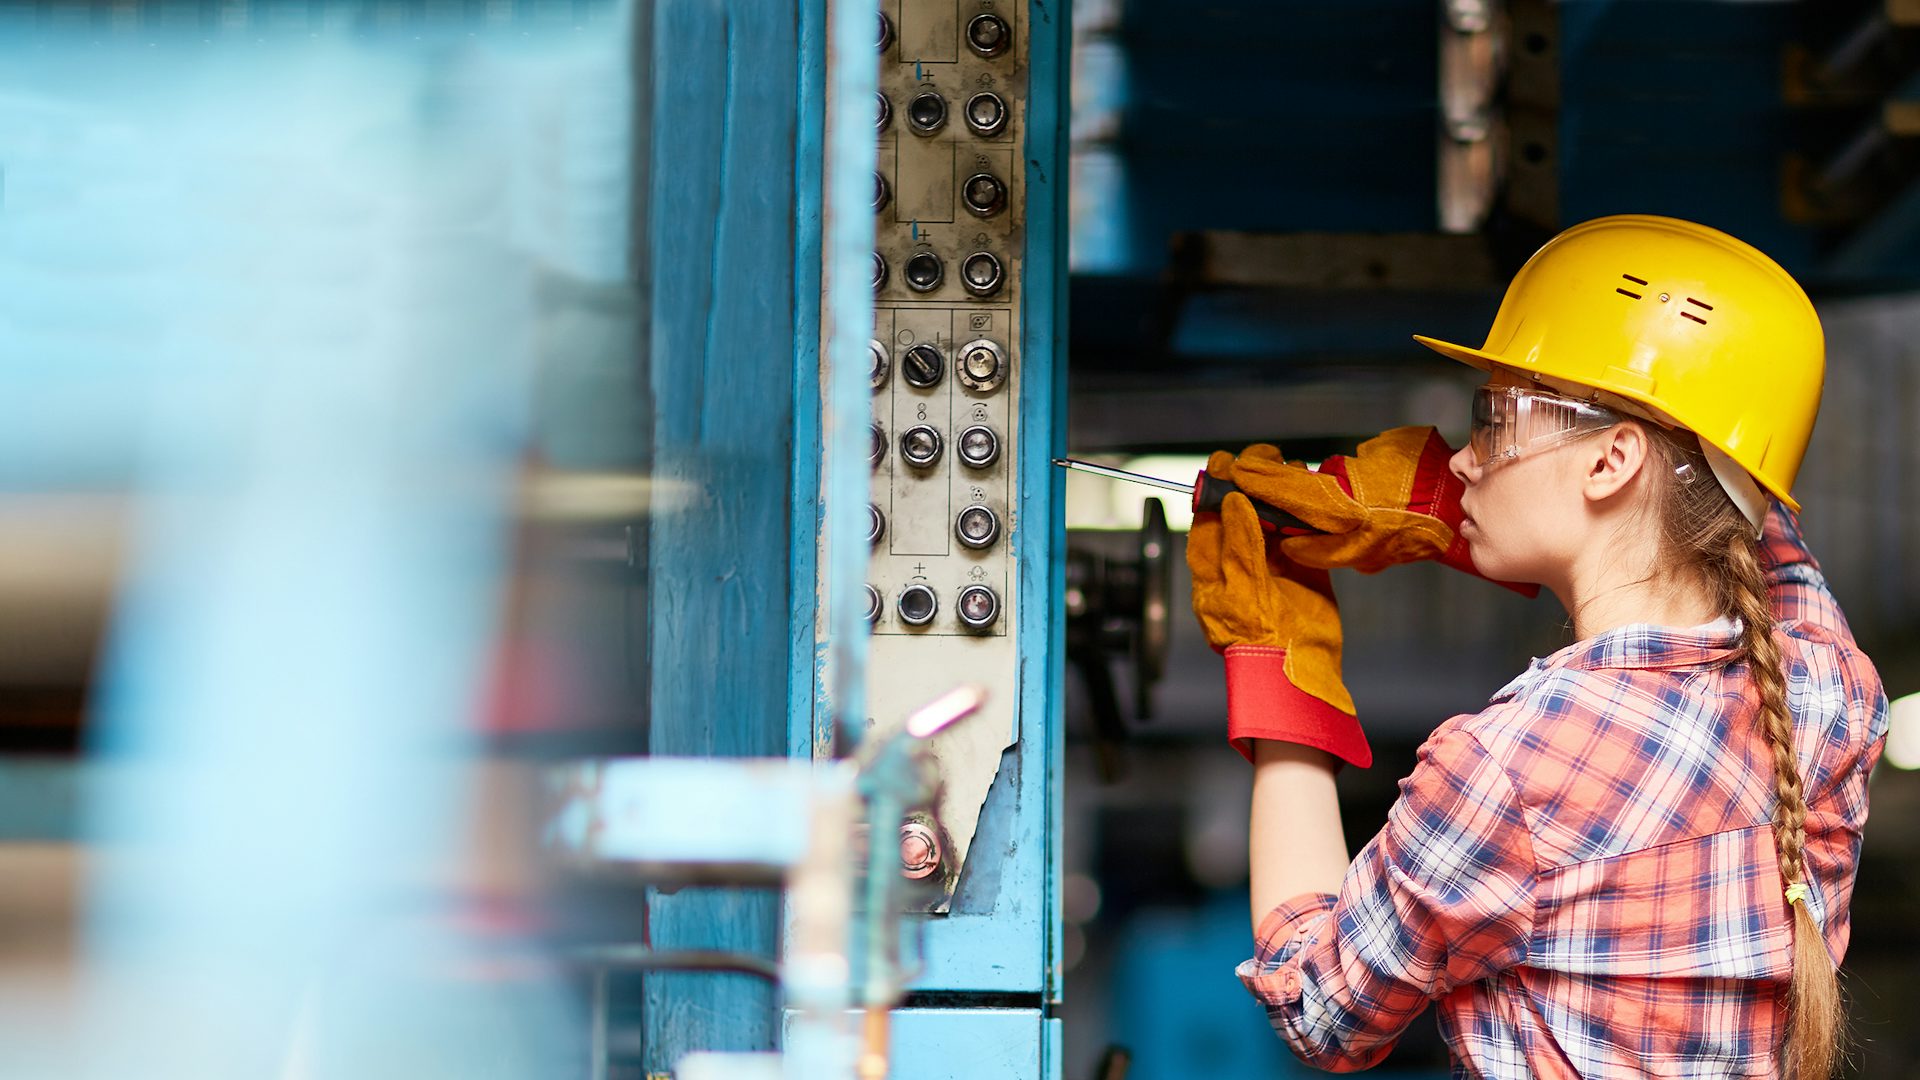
[1209, 492]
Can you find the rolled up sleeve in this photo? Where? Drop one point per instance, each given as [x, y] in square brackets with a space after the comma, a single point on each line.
[1443, 896]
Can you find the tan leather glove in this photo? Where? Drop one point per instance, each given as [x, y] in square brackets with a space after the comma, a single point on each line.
[1394, 501]
[1278, 626]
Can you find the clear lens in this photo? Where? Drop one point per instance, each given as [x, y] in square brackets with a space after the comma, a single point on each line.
[1511, 420]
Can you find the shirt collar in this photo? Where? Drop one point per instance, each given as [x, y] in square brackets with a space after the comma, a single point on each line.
[1639, 646]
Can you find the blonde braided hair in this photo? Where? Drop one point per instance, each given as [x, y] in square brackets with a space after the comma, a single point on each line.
[1701, 524]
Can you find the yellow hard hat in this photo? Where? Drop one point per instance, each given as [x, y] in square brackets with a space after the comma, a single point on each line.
[1692, 324]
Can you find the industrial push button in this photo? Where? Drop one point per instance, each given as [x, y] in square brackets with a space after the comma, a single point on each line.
[876, 525]
[882, 113]
[917, 605]
[924, 271]
[984, 194]
[927, 113]
[882, 193]
[886, 33]
[981, 273]
[877, 357]
[877, 452]
[872, 599]
[978, 447]
[920, 446]
[981, 365]
[923, 366]
[879, 272]
[986, 114]
[979, 607]
[988, 35]
[977, 527]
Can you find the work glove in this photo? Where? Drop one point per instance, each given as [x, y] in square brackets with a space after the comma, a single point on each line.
[1278, 626]
[1393, 501]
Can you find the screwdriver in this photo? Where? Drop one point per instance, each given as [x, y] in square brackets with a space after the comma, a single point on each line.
[1207, 492]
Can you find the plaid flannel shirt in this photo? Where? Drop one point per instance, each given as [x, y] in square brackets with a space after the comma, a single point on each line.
[1582, 876]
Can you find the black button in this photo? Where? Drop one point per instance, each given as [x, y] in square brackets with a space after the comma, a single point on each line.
[879, 272]
[920, 446]
[918, 605]
[984, 194]
[876, 524]
[882, 113]
[924, 271]
[886, 33]
[989, 35]
[978, 446]
[877, 452]
[977, 527]
[927, 113]
[881, 192]
[981, 274]
[979, 607]
[872, 599]
[986, 114]
[923, 366]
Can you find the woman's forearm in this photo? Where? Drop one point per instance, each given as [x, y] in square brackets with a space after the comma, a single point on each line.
[1297, 845]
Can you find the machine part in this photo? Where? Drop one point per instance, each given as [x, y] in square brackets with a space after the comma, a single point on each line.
[877, 354]
[981, 365]
[986, 114]
[984, 194]
[882, 113]
[877, 452]
[927, 113]
[919, 851]
[978, 606]
[924, 271]
[923, 366]
[977, 527]
[886, 34]
[920, 446]
[989, 35]
[981, 273]
[1118, 606]
[882, 193]
[625, 957]
[917, 605]
[977, 446]
[876, 525]
[879, 271]
[874, 605]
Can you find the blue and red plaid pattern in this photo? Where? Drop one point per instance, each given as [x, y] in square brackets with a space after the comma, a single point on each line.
[1582, 876]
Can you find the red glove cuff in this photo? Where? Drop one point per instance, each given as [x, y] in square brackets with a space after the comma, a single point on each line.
[1262, 703]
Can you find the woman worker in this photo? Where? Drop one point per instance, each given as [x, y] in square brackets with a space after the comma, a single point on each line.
[1637, 860]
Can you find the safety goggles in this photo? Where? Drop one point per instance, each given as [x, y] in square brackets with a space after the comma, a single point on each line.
[1509, 421]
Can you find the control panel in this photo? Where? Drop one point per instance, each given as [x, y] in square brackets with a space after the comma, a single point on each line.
[948, 206]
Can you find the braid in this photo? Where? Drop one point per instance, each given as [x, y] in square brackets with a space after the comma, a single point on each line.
[1702, 525]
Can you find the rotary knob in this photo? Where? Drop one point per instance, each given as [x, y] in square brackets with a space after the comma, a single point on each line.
[981, 273]
[920, 446]
[882, 192]
[977, 527]
[984, 194]
[882, 113]
[981, 365]
[876, 524]
[986, 114]
[989, 35]
[927, 113]
[978, 447]
[877, 357]
[924, 271]
[922, 366]
[917, 605]
[879, 272]
[979, 607]
[871, 598]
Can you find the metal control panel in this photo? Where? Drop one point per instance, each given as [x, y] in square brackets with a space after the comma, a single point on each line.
[948, 203]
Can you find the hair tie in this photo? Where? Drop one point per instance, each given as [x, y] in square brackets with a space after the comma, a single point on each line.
[1796, 893]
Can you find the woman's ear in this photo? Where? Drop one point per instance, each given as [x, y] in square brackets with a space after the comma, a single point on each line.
[1613, 459]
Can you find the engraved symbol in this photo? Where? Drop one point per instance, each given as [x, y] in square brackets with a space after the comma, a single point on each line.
[979, 414]
[978, 573]
[921, 413]
[977, 494]
[905, 337]
[980, 238]
[980, 321]
[920, 571]
[980, 161]
[985, 81]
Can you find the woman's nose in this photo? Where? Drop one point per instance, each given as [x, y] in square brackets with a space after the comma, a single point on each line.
[1462, 465]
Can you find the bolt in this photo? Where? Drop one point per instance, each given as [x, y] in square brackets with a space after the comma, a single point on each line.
[919, 851]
